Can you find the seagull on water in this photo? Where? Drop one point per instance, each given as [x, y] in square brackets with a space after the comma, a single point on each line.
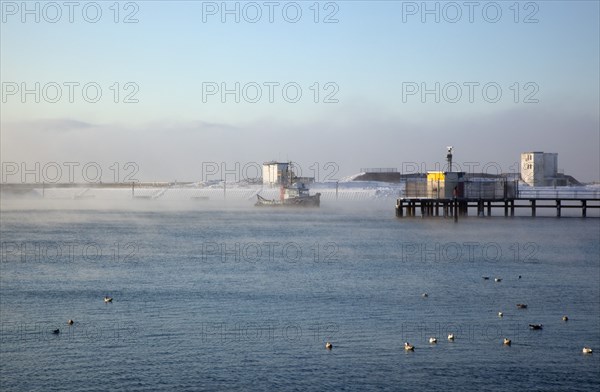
[328, 346]
[432, 340]
[587, 350]
[451, 337]
[409, 347]
[507, 341]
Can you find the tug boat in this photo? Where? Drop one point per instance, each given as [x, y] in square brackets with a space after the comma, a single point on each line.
[294, 195]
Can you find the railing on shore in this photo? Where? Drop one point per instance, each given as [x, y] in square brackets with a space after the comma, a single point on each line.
[379, 170]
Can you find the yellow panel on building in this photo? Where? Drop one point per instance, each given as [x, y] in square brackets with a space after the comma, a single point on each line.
[435, 176]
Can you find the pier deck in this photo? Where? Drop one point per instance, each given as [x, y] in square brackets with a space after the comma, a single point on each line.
[425, 207]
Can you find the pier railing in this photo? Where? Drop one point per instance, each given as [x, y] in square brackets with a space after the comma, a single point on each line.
[558, 193]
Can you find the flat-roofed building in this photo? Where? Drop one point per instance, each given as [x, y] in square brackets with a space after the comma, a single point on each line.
[539, 168]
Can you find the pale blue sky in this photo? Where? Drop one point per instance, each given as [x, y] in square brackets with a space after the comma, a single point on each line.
[368, 54]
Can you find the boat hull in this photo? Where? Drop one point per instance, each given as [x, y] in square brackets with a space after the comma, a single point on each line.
[305, 201]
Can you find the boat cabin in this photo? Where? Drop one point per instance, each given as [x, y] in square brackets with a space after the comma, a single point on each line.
[297, 189]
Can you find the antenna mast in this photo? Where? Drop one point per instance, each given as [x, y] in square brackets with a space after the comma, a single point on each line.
[449, 157]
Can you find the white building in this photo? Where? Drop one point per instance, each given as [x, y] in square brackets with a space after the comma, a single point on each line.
[275, 173]
[539, 168]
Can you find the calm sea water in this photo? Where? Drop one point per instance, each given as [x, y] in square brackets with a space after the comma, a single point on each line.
[214, 297]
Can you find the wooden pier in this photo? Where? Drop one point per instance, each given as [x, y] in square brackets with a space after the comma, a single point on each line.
[453, 208]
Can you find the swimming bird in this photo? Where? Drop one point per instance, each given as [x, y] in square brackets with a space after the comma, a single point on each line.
[70, 322]
[432, 340]
[500, 314]
[56, 331]
[522, 306]
[451, 337]
[507, 341]
[328, 346]
[425, 295]
[587, 350]
[409, 347]
[565, 318]
[519, 276]
[536, 326]
[107, 299]
[486, 277]
[498, 279]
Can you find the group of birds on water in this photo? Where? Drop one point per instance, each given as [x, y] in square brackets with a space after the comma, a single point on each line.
[71, 322]
[432, 340]
[407, 346]
[506, 341]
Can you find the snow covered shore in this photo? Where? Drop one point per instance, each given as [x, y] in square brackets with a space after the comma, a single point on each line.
[343, 191]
